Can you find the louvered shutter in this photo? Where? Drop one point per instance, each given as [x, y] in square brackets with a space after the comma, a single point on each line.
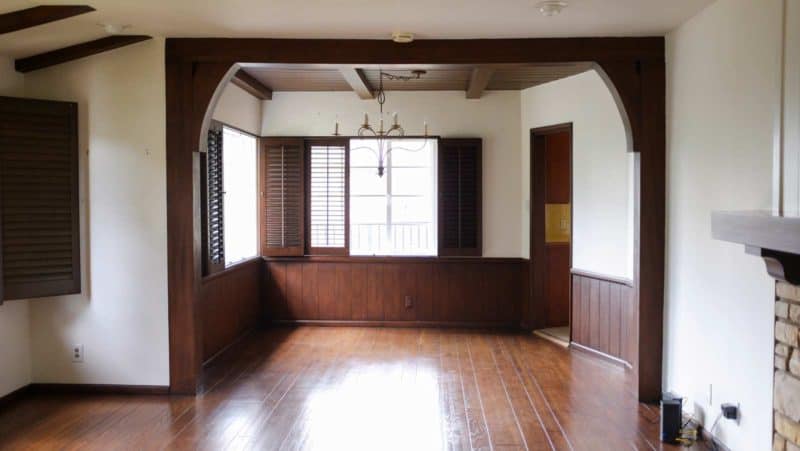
[39, 198]
[460, 197]
[213, 195]
[328, 196]
[282, 196]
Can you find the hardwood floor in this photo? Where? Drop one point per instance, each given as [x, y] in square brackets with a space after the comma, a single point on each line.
[326, 388]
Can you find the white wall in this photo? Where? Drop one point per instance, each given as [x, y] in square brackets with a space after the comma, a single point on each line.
[494, 117]
[15, 361]
[602, 240]
[238, 108]
[792, 110]
[121, 316]
[721, 94]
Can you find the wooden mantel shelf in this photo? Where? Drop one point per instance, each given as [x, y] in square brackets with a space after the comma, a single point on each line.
[773, 237]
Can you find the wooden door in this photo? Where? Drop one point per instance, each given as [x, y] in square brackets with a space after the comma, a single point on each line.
[551, 225]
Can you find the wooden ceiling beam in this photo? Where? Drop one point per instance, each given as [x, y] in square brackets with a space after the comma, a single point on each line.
[77, 51]
[38, 15]
[478, 81]
[358, 81]
[251, 85]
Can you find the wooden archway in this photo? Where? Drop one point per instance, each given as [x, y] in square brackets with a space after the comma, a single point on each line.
[634, 68]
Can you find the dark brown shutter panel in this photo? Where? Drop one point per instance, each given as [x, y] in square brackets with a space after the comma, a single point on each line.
[460, 197]
[39, 198]
[282, 196]
[213, 195]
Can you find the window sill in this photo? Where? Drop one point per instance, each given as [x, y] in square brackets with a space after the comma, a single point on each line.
[392, 259]
[232, 268]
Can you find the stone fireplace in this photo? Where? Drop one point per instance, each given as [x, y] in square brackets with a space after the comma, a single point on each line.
[776, 239]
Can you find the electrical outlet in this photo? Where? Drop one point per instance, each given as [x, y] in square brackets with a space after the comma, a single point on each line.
[77, 353]
[409, 302]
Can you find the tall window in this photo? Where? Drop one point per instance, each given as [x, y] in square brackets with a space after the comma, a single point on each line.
[394, 214]
[239, 160]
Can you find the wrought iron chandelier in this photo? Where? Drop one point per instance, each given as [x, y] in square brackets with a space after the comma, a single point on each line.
[384, 136]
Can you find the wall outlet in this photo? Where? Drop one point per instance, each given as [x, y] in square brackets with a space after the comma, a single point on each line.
[409, 302]
[77, 353]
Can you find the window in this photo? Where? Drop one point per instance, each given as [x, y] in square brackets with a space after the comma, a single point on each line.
[394, 214]
[240, 188]
[327, 209]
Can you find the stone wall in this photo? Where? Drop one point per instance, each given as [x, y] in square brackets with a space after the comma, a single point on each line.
[786, 400]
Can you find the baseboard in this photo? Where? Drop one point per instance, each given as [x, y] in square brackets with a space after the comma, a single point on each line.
[13, 396]
[225, 349]
[104, 389]
[704, 434]
[608, 358]
[398, 324]
[551, 339]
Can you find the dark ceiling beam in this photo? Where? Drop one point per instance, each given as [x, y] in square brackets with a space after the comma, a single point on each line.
[38, 15]
[77, 51]
[478, 81]
[250, 84]
[358, 81]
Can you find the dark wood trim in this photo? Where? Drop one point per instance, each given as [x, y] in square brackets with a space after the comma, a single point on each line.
[395, 259]
[634, 69]
[14, 396]
[598, 276]
[39, 15]
[77, 51]
[478, 81]
[251, 85]
[210, 360]
[536, 243]
[358, 81]
[402, 324]
[234, 267]
[104, 389]
[594, 352]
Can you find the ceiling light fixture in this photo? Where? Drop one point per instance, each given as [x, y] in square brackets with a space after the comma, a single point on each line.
[550, 8]
[381, 135]
[112, 28]
[402, 37]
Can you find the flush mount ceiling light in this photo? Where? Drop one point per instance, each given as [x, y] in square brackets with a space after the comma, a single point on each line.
[112, 28]
[402, 37]
[551, 7]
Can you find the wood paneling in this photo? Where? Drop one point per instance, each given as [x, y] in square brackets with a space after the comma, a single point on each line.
[602, 314]
[230, 305]
[465, 292]
[77, 51]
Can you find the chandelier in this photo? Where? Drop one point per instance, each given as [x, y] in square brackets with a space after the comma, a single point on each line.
[384, 136]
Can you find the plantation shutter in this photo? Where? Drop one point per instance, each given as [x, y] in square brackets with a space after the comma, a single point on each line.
[40, 232]
[282, 195]
[327, 196]
[213, 195]
[460, 197]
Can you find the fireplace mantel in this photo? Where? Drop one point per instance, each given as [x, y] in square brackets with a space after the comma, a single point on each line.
[773, 237]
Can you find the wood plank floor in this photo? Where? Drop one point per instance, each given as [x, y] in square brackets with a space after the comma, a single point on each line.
[326, 388]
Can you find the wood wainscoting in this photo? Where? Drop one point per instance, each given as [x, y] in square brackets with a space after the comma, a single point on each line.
[229, 305]
[603, 315]
[450, 291]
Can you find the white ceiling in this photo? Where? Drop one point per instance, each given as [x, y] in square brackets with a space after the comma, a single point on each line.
[373, 19]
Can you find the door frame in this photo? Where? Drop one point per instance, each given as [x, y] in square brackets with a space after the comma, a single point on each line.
[197, 69]
[536, 243]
